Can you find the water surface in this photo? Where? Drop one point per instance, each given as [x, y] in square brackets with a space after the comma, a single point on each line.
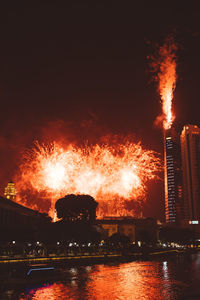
[177, 277]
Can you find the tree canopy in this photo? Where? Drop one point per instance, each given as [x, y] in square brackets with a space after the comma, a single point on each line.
[76, 208]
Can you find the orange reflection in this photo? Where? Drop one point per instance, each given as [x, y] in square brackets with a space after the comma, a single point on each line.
[136, 280]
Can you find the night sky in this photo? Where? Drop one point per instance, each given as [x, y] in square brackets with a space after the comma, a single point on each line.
[81, 71]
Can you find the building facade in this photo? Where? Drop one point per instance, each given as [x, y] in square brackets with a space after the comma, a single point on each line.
[136, 229]
[190, 154]
[10, 191]
[172, 177]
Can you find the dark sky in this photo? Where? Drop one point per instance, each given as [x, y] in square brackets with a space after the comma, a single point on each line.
[85, 66]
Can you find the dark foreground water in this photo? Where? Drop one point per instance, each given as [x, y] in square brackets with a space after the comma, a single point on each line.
[177, 277]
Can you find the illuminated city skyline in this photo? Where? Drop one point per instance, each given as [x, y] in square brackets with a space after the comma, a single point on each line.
[81, 73]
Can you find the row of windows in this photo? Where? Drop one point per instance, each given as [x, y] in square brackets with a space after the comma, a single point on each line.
[170, 165]
[169, 159]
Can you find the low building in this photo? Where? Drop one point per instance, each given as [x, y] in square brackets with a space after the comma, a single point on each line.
[18, 222]
[142, 229]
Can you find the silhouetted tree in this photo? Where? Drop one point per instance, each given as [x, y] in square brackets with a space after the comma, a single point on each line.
[117, 238]
[76, 208]
[77, 214]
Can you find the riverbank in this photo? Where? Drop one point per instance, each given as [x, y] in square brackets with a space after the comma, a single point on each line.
[88, 258]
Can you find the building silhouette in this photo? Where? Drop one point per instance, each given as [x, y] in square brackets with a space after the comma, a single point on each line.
[190, 154]
[136, 229]
[172, 177]
[21, 223]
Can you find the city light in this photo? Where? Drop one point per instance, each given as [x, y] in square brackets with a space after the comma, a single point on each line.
[10, 191]
[194, 222]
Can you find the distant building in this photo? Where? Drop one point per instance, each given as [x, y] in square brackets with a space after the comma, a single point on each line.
[190, 154]
[10, 191]
[172, 177]
[136, 229]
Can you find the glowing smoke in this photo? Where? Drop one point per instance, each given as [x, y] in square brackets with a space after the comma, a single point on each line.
[165, 67]
[111, 174]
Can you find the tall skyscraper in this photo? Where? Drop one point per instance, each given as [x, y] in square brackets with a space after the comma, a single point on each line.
[190, 154]
[172, 177]
[10, 191]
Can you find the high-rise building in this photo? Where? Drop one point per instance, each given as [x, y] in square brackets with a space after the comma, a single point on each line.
[172, 177]
[190, 154]
[10, 191]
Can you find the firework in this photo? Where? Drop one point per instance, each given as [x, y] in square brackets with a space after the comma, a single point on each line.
[165, 67]
[111, 174]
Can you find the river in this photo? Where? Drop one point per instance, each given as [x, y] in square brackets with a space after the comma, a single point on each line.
[176, 277]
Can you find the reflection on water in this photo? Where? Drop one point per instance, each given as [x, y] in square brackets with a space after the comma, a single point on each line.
[173, 278]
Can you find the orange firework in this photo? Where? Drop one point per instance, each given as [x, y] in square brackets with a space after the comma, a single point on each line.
[111, 174]
[165, 66]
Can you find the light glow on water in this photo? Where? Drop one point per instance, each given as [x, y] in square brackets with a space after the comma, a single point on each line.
[148, 280]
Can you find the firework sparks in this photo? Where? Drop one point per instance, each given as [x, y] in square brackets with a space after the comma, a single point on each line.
[110, 174]
[165, 66]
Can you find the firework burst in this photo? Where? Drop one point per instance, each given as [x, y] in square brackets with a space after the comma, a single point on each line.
[111, 174]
